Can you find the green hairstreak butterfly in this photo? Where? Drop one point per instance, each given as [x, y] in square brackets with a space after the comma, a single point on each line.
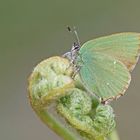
[105, 63]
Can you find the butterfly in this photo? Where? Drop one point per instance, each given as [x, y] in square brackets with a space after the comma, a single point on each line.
[105, 63]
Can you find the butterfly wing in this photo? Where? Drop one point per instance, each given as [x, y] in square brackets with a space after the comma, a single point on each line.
[105, 76]
[125, 47]
[107, 62]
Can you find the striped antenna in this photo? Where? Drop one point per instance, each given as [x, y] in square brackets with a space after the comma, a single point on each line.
[75, 34]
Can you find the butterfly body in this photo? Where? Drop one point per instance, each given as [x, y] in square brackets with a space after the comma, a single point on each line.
[105, 64]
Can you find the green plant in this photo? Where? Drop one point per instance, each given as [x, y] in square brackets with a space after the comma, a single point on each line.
[66, 106]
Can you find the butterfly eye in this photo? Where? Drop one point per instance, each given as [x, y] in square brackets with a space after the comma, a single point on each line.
[75, 47]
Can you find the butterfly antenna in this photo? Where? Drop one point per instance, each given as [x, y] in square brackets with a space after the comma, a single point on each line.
[75, 34]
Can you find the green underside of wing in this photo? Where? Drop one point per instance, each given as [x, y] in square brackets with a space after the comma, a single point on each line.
[103, 75]
[125, 47]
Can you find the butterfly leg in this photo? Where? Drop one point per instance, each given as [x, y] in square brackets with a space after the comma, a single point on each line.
[67, 55]
[76, 70]
[72, 55]
[106, 102]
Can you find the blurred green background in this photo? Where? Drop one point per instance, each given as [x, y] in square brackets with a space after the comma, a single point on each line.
[31, 31]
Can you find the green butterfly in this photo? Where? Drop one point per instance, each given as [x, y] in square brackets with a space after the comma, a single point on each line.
[105, 63]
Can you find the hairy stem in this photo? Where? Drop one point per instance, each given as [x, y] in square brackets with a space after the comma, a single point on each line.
[54, 124]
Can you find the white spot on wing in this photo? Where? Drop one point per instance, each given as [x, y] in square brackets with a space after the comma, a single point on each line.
[115, 62]
[107, 84]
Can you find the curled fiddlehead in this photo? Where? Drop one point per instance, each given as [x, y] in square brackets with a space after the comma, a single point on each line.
[65, 105]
